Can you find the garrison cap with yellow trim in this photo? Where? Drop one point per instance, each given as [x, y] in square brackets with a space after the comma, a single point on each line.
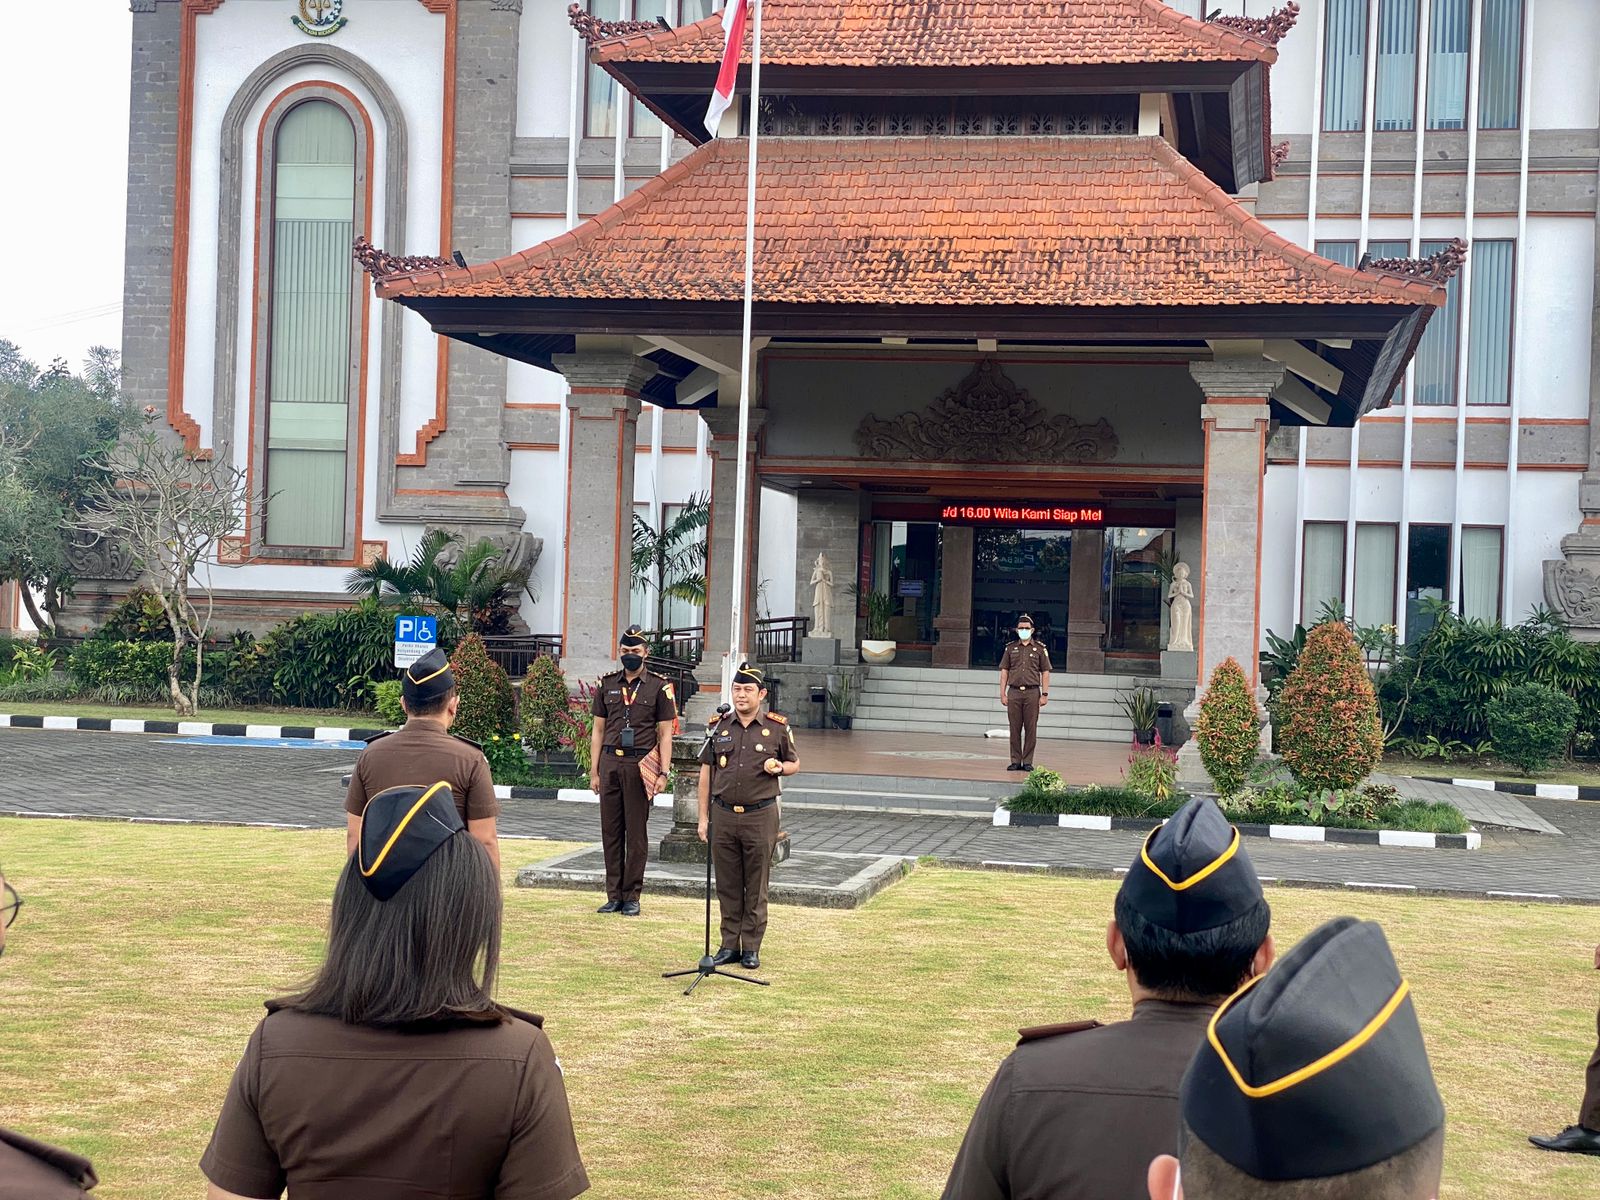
[1192, 873]
[633, 638]
[428, 678]
[400, 828]
[1316, 1068]
[749, 674]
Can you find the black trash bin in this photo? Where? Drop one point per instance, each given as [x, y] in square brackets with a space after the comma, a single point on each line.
[819, 700]
[1164, 724]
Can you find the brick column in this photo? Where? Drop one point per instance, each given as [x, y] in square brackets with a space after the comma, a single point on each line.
[958, 544]
[604, 404]
[1086, 626]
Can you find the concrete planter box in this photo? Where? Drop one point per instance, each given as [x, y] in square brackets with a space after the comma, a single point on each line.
[1471, 840]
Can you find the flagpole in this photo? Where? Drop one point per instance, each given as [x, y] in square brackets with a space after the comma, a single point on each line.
[741, 517]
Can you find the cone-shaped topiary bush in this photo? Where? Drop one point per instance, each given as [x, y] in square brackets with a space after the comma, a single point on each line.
[487, 705]
[544, 706]
[1229, 729]
[1328, 730]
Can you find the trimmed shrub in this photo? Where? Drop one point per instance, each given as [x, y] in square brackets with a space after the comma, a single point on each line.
[487, 703]
[386, 702]
[102, 662]
[1328, 730]
[544, 707]
[320, 660]
[1531, 725]
[1228, 729]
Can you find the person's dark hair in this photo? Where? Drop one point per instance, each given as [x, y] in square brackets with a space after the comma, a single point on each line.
[429, 953]
[429, 708]
[1410, 1175]
[1208, 965]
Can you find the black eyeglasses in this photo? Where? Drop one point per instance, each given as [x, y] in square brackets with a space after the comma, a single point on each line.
[13, 905]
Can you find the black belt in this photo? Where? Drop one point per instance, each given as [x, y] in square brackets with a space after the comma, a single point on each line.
[744, 808]
[1024, 687]
[618, 752]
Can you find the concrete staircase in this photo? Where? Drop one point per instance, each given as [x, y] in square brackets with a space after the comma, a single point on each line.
[967, 703]
[898, 794]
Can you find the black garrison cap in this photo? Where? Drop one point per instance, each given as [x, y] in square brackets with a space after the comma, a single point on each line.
[428, 678]
[400, 829]
[1318, 1067]
[1193, 873]
[749, 674]
[632, 637]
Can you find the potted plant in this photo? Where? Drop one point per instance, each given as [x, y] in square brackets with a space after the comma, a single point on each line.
[1141, 709]
[842, 703]
[877, 647]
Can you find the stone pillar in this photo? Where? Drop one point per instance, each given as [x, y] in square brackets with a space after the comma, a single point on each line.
[829, 522]
[1086, 626]
[682, 843]
[958, 545]
[604, 404]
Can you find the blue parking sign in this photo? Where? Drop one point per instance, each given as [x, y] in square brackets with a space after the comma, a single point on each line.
[414, 637]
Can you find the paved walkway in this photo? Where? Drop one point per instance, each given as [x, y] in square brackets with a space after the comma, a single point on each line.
[133, 776]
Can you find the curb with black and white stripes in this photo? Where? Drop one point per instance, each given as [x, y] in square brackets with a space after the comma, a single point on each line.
[1540, 791]
[1472, 840]
[315, 733]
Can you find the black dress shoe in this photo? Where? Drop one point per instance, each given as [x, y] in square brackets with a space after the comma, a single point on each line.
[1574, 1139]
[1014, 767]
[724, 957]
[610, 906]
[1025, 767]
[630, 908]
[750, 960]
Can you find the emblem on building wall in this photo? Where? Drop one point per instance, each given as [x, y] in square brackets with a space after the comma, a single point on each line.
[986, 418]
[320, 18]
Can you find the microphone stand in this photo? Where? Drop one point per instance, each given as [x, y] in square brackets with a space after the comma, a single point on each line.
[707, 964]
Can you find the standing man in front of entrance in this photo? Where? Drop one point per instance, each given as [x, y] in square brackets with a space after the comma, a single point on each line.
[634, 711]
[746, 754]
[1024, 690]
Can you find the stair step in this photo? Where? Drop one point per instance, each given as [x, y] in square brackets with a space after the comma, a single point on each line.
[870, 725]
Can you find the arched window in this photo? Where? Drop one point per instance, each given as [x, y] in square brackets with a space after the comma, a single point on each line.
[309, 373]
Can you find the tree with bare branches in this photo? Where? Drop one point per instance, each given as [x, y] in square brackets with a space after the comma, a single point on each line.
[169, 506]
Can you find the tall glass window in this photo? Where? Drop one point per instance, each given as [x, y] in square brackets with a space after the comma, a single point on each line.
[1135, 603]
[1322, 576]
[601, 109]
[1396, 99]
[1427, 574]
[1480, 572]
[1449, 44]
[1374, 582]
[1344, 65]
[906, 566]
[645, 122]
[308, 384]
[1489, 346]
[1500, 83]
[1441, 343]
[600, 116]
[1343, 253]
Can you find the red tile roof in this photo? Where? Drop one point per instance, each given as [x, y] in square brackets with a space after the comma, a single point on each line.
[1092, 221]
[935, 33]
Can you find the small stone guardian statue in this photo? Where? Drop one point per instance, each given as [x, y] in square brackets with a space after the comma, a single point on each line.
[822, 598]
[1180, 595]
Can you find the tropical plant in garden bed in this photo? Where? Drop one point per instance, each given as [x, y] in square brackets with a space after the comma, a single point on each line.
[1327, 714]
[1141, 708]
[470, 585]
[1228, 730]
[1531, 724]
[545, 702]
[508, 759]
[487, 703]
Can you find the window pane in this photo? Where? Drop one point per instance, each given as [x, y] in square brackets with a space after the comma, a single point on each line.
[1322, 579]
[600, 120]
[1489, 347]
[699, 10]
[1396, 100]
[1449, 37]
[1480, 573]
[641, 601]
[1499, 88]
[1344, 66]
[1135, 599]
[645, 122]
[308, 382]
[1441, 343]
[1375, 562]
[1343, 253]
[1427, 574]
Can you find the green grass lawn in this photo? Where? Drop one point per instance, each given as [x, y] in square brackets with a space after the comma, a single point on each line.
[1563, 772]
[158, 712]
[137, 969]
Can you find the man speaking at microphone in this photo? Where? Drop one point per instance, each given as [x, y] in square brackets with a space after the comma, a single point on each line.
[745, 755]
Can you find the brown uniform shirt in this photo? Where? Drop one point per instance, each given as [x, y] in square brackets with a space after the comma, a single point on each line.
[31, 1170]
[1079, 1115]
[1025, 664]
[737, 752]
[637, 706]
[347, 1112]
[422, 755]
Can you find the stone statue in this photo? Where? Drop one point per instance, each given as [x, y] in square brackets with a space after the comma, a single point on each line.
[1180, 595]
[822, 598]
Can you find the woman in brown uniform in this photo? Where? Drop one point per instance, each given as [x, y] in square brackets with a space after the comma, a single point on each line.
[395, 1075]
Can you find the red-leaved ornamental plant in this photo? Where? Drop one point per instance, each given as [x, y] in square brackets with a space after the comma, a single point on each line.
[488, 705]
[1228, 729]
[1327, 714]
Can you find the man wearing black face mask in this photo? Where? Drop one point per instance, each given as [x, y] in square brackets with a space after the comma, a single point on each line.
[634, 712]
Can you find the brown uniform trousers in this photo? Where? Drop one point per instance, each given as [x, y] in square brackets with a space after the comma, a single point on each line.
[624, 824]
[1022, 710]
[1589, 1114]
[741, 850]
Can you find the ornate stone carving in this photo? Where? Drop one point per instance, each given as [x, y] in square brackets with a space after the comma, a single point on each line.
[986, 418]
[1280, 153]
[1573, 592]
[91, 557]
[381, 264]
[519, 551]
[592, 29]
[1436, 268]
[1270, 29]
[1180, 595]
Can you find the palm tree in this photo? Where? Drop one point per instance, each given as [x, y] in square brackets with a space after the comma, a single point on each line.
[672, 563]
[467, 583]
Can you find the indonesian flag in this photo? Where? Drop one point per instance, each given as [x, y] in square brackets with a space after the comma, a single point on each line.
[734, 18]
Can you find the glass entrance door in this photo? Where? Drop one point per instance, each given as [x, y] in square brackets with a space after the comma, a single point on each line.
[1019, 571]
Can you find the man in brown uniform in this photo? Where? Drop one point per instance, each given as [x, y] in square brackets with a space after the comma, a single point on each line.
[746, 754]
[424, 751]
[634, 712]
[1078, 1111]
[1024, 690]
[1584, 1137]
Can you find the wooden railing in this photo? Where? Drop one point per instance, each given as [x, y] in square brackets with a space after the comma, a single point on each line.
[778, 638]
[518, 654]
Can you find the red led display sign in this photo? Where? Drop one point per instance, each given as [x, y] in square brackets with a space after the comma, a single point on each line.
[1023, 514]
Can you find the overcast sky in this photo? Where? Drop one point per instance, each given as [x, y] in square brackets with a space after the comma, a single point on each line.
[63, 175]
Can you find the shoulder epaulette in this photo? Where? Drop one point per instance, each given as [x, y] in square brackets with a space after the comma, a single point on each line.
[378, 736]
[468, 741]
[611, 675]
[657, 675]
[779, 719]
[1040, 1032]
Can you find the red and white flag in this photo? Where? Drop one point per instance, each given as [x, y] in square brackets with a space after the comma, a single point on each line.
[734, 17]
